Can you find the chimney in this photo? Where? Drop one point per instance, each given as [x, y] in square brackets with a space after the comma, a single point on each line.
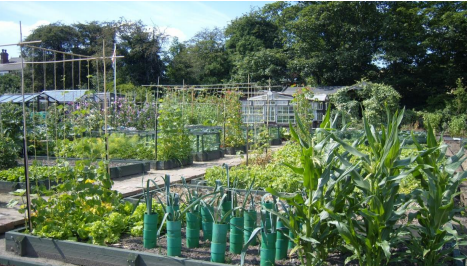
[4, 57]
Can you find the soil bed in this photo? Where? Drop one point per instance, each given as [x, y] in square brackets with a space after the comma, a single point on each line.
[203, 252]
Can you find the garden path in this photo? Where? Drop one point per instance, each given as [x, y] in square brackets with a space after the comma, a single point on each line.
[131, 185]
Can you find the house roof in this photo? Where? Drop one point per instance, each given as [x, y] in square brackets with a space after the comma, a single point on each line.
[13, 65]
[319, 97]
[65, 95]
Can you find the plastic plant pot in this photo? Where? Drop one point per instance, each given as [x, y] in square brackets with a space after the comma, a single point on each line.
[281, 241]
[150, 230]
[207, 223]
[236, 235]
[192, 230]
[268, 249]
[219, 242]
[174, 238]
[249, 223]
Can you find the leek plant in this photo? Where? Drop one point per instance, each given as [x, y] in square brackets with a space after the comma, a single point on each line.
[435, 210]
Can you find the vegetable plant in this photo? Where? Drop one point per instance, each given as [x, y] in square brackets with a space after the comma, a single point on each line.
[431, 244]
[371, 237]
[326, 184]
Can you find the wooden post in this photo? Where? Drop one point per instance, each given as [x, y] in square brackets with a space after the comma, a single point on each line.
[247, 119]
[25, 136]
[44, 69]
[73, 72]
[156, 122]
[105, 111]
[55, 71]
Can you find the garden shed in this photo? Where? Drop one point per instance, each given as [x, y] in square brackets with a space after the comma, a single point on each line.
[277, 108]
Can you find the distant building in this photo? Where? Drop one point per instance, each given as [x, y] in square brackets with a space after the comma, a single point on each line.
[12, 65]
[277, 108]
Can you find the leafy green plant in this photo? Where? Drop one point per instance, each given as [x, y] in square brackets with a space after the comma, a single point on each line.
[82, 209]
[8, 153]
[233, 119]
[436, 208]
[174, 141]
[457, 125]
[274, 174]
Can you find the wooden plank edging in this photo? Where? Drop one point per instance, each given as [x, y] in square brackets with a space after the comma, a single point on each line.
[88, 254]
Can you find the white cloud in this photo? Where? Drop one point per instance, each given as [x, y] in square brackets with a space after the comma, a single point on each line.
[10, 34]
[174, 32]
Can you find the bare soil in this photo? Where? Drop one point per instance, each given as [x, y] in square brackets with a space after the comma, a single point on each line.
[203, 252]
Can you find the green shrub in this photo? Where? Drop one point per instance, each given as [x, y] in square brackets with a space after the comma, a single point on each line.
[434, 119]
[457, 125]
[8, 153]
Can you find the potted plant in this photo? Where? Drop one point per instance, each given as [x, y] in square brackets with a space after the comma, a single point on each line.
[192, 218]
[220, 225]
[249, 221]
[173, 216]
[237, 220]
[150, 220]
[268, 234]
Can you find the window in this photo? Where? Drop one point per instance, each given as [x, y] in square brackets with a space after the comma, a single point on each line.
[320, 107]
[319, 117]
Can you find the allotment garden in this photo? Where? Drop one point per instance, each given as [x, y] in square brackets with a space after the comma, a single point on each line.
[327, 196]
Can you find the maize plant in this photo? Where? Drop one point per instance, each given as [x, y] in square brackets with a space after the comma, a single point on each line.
[327, 184]
[368, 225]
[435, 202]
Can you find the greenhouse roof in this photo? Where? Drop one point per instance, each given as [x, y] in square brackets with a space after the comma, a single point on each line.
[66, 95]
[18, 98]
[273, 96]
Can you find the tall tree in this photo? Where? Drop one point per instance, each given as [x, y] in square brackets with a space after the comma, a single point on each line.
[255, 46]
[335, 41]
[142, 50]
[201, 60]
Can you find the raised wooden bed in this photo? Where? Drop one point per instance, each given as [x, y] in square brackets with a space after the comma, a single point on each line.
[207, 156]
[234, 150]
[275, 142]
[87, 254]
[6, 186]
[171, 164]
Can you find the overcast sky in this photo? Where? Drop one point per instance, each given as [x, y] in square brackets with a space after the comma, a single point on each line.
[179, 18]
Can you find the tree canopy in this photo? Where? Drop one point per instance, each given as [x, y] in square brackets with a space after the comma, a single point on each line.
[417, 48]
